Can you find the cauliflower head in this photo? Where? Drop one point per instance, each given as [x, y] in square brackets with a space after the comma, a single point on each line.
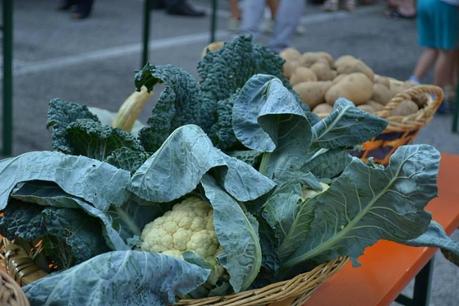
[187, 227]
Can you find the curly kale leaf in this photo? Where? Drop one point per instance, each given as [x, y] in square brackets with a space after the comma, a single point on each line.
[67, 234]
[60, 114]
[207, 103]
[127, 158]
[221, 132]
[92, 139]
[226, 70]
[180, 103]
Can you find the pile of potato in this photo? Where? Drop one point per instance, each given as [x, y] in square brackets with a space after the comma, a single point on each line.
[319, 80]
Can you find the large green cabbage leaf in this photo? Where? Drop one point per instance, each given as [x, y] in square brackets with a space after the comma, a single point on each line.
[366, 204]
[346, 126]
[96, 182]
[237, 234]
[435, 236]
[268, 118]
[178, 166]
[119, 278]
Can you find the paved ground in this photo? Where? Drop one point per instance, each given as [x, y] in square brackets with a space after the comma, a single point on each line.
[93, 62]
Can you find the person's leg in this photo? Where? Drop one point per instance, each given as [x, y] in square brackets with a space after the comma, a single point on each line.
[234, 8]
[182, 8]
[273, 6]
[252, 15]
[83, 9]
[425, 62]
[444, 68]
[288, 18]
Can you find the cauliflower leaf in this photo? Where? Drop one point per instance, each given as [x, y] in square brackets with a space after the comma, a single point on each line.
[119, 278]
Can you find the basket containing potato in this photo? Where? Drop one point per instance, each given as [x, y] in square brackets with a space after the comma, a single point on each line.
[319, 80]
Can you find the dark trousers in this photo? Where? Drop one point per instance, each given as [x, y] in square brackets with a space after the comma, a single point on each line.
[84, 6]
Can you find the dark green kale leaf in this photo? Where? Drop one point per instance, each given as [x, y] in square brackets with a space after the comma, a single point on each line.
[182, 102]
[127, 158]
[68, 234]
[92, 139]
[60, 114]
[209, 102]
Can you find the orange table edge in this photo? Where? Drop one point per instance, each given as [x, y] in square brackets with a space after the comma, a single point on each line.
[387, 267]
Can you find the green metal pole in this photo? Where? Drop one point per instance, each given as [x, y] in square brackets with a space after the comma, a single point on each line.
[7, 77]
[213, 20]
[146, 31]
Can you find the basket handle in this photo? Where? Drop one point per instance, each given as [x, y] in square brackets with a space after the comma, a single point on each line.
[435, 92]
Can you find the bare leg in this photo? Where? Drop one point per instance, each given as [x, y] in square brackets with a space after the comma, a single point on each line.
[444, 68]
[273, 5]
[425, 62]
[234, 7]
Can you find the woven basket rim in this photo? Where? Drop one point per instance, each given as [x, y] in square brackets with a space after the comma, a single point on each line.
[8, 283]
[298, 288]
[434, 95]
[414, 121]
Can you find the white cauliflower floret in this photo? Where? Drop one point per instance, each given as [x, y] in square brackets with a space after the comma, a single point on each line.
[187, 227]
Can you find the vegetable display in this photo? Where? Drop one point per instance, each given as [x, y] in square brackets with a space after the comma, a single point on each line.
[233, 184]
[320, 80]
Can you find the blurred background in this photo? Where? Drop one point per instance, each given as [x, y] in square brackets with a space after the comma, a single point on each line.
[91, 58]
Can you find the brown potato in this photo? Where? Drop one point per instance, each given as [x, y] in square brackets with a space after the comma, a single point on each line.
[340, 60]
[290, 54]
[323, 71]
[338, 78]
[322, 109]
[310, 58]
[289, 68]
[355, 87]
[367, 108]
[348, 66]
[376, 106]
[406, 107]
[382, 80]
[381, 93]
[302, 74]
[312, 93]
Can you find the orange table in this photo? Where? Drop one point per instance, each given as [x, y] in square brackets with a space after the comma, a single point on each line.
[387, 267]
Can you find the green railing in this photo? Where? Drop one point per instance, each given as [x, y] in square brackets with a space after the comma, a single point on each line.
[147, 21]
[7, 40]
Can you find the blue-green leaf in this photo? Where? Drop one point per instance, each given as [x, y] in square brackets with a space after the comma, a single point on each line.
[366, 204]
[178, 166]
[346, 126]
[96, 182]
[119, 278]
[435, 236]
[237, 235]
[268, 118]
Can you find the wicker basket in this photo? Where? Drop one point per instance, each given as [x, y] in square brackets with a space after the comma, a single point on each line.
[10, 293]
[291, 292]
[403, 130]
[294, 291]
